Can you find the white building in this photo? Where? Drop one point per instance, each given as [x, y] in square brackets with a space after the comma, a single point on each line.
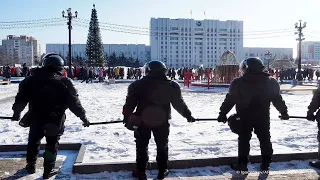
[22, 49]
[189, 42]
[260, 52]
[310, 50]
[139, 51]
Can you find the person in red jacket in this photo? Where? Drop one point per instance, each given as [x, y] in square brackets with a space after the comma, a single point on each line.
[65, 73]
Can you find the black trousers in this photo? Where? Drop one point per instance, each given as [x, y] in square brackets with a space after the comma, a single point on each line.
[36, 133]
[318, 136]
[143, 136]
[261, 128]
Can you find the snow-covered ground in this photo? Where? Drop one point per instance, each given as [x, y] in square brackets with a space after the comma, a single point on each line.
[109, 143]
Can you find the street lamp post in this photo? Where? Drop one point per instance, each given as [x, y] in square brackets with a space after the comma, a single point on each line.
[70, 17]
[299, 28]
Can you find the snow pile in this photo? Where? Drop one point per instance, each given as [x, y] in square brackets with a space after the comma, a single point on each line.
[109, 143]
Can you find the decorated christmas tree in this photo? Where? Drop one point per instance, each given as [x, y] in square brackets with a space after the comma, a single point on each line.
[94, 49]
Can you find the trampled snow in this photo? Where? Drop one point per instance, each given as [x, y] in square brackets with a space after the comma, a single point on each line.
[110, 143]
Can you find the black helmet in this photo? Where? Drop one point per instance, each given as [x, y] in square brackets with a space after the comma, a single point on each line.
[52, 59]
[156, 66]
[251, 65]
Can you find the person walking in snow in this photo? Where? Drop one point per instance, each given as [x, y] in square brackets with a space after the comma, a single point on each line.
[153, 95]
[49, 94]
[101, 75]
[252, 94]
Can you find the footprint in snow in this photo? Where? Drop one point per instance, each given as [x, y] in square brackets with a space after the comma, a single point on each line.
[116, 134]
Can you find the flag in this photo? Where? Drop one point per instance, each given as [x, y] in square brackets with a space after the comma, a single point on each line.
[204, 13]
[191, 12]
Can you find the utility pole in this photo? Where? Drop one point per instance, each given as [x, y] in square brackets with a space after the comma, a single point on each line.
[70, 17]
[299, 28]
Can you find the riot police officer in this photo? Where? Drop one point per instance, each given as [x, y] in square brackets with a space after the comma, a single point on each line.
[152, 95]
[312, 108]
[252, 94]
[49, 94]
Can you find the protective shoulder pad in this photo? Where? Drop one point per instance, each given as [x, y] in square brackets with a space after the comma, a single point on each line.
[175, 84]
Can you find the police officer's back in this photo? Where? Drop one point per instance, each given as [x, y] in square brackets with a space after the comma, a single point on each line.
[252, 94]
[152, 95]
[49, 94]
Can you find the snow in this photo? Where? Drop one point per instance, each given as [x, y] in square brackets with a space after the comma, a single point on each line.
[112, 143]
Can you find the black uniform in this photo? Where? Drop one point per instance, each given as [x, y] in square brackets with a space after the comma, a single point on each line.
[49, 94]
[252, 94]
[312, 108]
[152, 96]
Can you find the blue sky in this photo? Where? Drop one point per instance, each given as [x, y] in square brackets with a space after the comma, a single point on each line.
[258, 15]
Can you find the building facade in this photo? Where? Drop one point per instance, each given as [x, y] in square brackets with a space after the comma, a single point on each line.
[22, 49]
[278, 53]
[310, 50]
[192, 43]
[138, 51]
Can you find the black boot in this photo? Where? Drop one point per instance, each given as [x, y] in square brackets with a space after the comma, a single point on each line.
[31, 168]
[163, 173]
[141, 175]
[315, 164]
[265, 164]
[49, 173]
[241, 167]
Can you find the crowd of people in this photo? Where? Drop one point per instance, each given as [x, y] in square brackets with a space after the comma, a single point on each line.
[84, 73]
[8, 72]
[88, 74]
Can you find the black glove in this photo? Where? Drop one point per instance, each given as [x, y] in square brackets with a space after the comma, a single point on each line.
[191, 119]
[284, 116]
[85, 121]
[222, 118]
[15, 117]
[310, 116]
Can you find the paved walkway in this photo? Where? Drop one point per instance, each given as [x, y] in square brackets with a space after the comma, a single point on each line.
[13, 168]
